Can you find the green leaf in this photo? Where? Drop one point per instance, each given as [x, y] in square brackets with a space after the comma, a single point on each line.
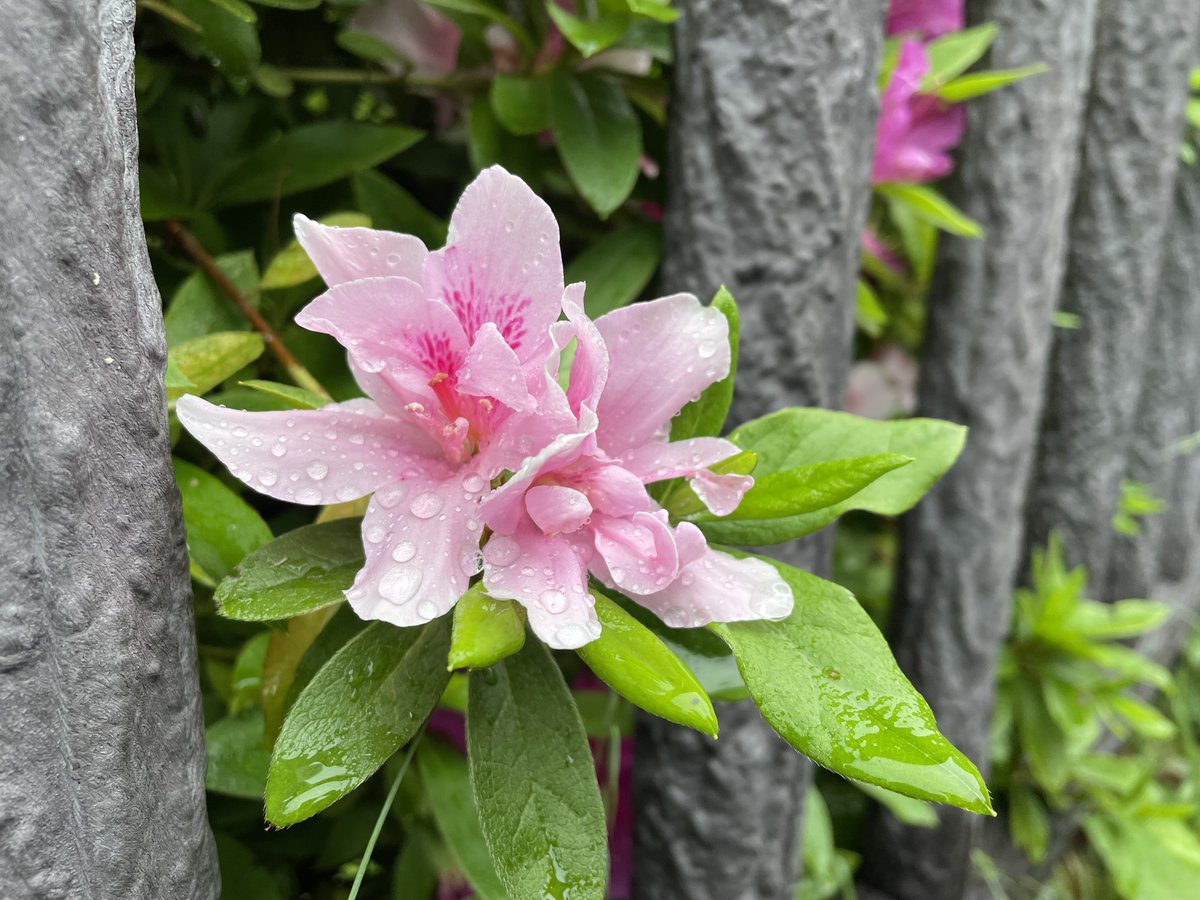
[869, 313]
[392, 208]
[308, 157]
[230, 39]
[954, 53]
[209, 360]
[245, 686]
[706, 415]
[659, 10]
[617, 267]
[825, 679]
[240, 866]
[968, 87]
[485, 630]
[522, 105]
[293, 397]
[1068, 320]
[630, 659]
[493, 12]
[1029, 822]
[366, 703]
[929, 206]
[448, 787]
[291, 265]
[588, 36]
[306, 569]
[1144, 719]
[1115, 621]
[198, 307]
[221, 527]
[533, 780]
[599, 137]
[285, 652]
[272, 82]
[289, 4]
[237, 759]
[906, 810]
[797, 437]
[368, 47]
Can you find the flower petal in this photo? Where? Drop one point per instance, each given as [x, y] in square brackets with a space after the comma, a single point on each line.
[661, 355]
[615, 491]
[419, 33]
[639, 553]
[347, 254]
[501, 262]
[559, 605]
[690, 459]
[589, 366]
[492, 369]
[718, 588]
[557, 509]
[421, 537]
[330, 455]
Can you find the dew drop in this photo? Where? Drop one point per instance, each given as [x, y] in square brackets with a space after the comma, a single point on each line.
[427, 609]
[426, 505]
[470, 561]
[308, 495]
[501, 550]
[472, 484]
[267, 477]
[375, 534]
[278, 450]
[404, 551]
[554, 601]
[400, 583]
[317, 470]
[618, 574]
[707, 349]
[391, 495]
[239, 431]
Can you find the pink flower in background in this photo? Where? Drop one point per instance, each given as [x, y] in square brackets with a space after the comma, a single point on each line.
[419, 33]
[454, 383]
[881, 251]
[925, 18]
[884, 385]
[580, 506]
[916, 131]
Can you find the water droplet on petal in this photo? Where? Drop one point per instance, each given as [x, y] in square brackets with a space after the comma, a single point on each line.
[618, 574]
[317, 470]
[239, 431]
[400, 583]
[571, 636]
[278, 450]
[404, 551]
[707, 349]
[309, 495]
[472, 484]
[267, 477]
[375, 534]
[554, 601]
[501, 550]
[427, 609]
[426, 505]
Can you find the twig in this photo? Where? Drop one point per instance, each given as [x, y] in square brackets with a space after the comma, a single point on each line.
[359, 76]
[294, 368]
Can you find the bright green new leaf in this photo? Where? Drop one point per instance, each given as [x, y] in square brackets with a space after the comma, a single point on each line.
[825, 679]
[798, 437]
[292, 396]
[588, 36]
[706, 415]
[306, 569]
[1115, 621]
[237, 760]
[617, 267]
[630, 659]
[291, 265]
[954, 53]
[209, 360]
[968, 87]
[533, 780]
[658, 10]
[869, 314]
[1144, 719]
[358, 710]
[522, 105]
[221, 527]
[599, 137]
[198, 307]
[485, 630]
[928, 205]
[448, 787]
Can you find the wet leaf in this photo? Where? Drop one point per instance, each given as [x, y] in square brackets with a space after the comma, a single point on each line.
[237, 759]
[209, 360]
[198, 307]
[617, 267]
[285, 651]
[292, 396]
[221, 527]
[485, 630]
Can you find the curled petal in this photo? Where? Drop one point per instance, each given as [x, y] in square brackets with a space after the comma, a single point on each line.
[589, 366]
[330, 455]
[718, 588]
[556, 509]
[639, 552]
[491, 369]
[661, 355]
[615, 491]
[347, 254]
[690, 459]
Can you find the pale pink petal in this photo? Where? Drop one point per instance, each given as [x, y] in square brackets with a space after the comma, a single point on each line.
[420, 34]
[548, 576]
[615, 491]
[347, 254]
[639, 552]
[340, 452]
[720, 493]
[501, 262]
[718, 588]
[557, 509]
[421, 538]
[661, 355]
[589, 367]
[492, 369]
[691, 459]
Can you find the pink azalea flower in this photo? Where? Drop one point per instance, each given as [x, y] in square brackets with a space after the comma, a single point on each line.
[915, 130]
[458, 389]
[419, 33]
[925, 18]
[884, 385]
[581, 506]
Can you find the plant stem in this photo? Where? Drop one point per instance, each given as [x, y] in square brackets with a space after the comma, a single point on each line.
[387, 805]
[294, 368]
[358, 76]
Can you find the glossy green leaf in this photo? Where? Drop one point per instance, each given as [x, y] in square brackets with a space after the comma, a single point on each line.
[485, 630]
[825, 679]
[308, 157]
[448, 787]
[929, 206]
[392, 208]
[209, 360]
[285, 651]
[533, 780]
[245, 685]
[198, 307]
[341, 628]
[221, 527]
[798, 437]
[230, 40]
[968, 87]
[237, 759]
[306, 569]
[368, 47]
[630, 659]
[954, 53]
[588, 36]
[292, 396]
[706, 415]
[617, 267]
[291, 265]
[521, 104]
[659, 10]
[599, 137]
[358, 710]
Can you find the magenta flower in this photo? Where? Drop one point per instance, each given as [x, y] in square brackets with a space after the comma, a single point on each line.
[926, 18]
[581, 506]
[458, 389]
[915, 130]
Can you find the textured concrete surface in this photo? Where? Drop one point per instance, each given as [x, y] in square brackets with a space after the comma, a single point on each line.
[101, 738]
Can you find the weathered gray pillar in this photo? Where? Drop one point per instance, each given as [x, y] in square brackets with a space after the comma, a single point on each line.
[101, 738]
[772, 118]
[1129, 157]
[983, 364]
